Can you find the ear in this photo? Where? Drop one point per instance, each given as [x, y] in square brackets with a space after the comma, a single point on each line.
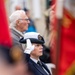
[17, 22]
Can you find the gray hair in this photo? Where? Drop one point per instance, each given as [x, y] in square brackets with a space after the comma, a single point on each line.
[14, 17]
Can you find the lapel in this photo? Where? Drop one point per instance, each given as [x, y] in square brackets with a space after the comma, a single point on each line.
[38, 67]
[16, 32]
[46, 68]
[17, 35]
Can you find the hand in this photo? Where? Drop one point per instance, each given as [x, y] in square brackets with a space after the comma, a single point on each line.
[29, 47]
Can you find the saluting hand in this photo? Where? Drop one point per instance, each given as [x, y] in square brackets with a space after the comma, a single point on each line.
[29, 47]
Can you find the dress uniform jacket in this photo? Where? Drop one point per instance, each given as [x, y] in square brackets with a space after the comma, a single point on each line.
[35, 68]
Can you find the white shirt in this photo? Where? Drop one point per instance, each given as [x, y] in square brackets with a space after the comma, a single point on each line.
[36, 63]
[34, 60]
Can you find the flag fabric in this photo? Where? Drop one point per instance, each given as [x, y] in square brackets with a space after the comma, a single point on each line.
[4, 29]
[66, 57]
[67, 49]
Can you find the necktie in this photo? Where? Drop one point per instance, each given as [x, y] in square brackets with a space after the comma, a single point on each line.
[39, 63]
[41, 66]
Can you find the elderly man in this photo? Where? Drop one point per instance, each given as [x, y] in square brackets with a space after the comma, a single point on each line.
[18, 24]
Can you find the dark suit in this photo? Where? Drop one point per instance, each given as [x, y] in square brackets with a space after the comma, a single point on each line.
[36, 69]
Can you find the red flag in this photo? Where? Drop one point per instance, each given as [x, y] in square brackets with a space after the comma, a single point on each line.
[67, 50]
[65, 46]
[4, 30]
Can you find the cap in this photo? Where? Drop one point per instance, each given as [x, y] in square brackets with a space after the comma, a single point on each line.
[34, 38]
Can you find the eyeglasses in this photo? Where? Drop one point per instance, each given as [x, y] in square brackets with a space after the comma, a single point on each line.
[24, 19]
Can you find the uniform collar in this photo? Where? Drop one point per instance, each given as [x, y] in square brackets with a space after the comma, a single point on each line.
[34, 60]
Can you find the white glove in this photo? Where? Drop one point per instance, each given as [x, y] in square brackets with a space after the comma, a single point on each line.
[29, 47]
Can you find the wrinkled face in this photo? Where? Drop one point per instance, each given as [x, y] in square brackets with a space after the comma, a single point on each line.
[38, 50]
[23, 22]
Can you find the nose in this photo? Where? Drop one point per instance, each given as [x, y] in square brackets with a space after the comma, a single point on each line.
[41, 46]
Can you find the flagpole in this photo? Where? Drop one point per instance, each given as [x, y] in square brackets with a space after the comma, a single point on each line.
[59, 16]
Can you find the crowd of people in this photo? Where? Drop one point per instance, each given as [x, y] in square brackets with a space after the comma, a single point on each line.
[28, 55]
[23, 57]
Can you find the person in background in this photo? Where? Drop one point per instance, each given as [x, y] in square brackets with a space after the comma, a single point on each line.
[18, 7]
[12, 61]
[46, 54]
[34, 49]
[31, 26]
[18, 24]
[5, 61]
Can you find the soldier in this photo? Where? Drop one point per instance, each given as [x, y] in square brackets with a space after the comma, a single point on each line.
[34, 48]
